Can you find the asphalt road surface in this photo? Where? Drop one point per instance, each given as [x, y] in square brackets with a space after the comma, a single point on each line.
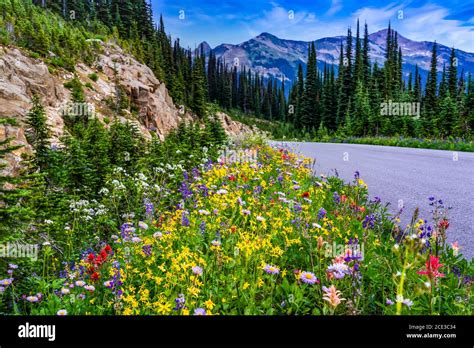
[408, 176]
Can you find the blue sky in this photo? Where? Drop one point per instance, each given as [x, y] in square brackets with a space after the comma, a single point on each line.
[449, 22]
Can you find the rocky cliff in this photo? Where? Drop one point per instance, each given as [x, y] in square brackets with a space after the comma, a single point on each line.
[21, 76]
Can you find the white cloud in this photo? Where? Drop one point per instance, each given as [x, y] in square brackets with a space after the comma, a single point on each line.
[429, 23]
[426, 23]
[336, 6]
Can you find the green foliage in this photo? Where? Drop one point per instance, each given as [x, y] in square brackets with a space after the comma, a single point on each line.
[452, 144]
[94, 77]
[38, 133]
[75, 85]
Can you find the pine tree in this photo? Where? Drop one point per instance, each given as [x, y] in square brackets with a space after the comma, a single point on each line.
[340, 88]
[38, 133]
[452, 75]
[198, 103]
[346, 97]
[358, 63]
[365, 57]
[446, 117]
[309, 109]
[443, 86]
[299, 97]
[430, 101]
[417, 86]
[361, 110]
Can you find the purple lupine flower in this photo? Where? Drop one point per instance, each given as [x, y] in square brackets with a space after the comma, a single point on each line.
[147, 249]
[356, 175]
[356, 267]
[204, 190]
[456, 271]
[202, 227]
[149, 209]
[195, 172]
[126, 231]
[184, 219]
[352, 256]
[336, 197]
[185, 190]
[116, 282]
[186, 176]
[376, 200]
[353, 241]
[180, 301]
[321, 213]
[369, 221]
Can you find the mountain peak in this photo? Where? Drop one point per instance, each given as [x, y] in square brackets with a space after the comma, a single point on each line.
[266, 35]
[204, 47]
[381, 36]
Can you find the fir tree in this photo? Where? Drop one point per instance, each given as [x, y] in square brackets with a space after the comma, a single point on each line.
[452, 75]
[309, 108]
[38, 133]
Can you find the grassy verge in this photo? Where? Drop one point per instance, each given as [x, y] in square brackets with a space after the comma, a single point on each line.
[436, 144]
[262, 236]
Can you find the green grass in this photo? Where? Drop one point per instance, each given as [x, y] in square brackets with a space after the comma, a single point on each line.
[451, 144]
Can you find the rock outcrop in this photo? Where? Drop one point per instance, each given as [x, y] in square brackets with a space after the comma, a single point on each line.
[22, 76]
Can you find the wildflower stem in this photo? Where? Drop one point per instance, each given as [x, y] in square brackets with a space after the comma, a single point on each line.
[400, 285]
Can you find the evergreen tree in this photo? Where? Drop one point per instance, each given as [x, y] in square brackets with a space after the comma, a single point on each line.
[430, 100]
[299, 97]
[309, 108]
[38, 133]
[452, 75]
[198, 103]
[365, 57]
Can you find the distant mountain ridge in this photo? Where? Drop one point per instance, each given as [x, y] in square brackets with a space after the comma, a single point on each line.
[275, 57]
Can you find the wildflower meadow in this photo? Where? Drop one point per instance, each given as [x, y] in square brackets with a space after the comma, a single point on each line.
[260, 235]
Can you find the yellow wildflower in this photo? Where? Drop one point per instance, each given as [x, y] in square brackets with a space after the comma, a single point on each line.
[209, 304]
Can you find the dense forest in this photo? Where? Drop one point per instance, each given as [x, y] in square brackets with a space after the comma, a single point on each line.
[345, 100]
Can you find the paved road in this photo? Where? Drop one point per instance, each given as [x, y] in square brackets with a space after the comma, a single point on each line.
[410, 175]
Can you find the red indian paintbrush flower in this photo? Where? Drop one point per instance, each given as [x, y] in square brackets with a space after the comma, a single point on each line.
[305, 194]
[443, 224]
[432, 266]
